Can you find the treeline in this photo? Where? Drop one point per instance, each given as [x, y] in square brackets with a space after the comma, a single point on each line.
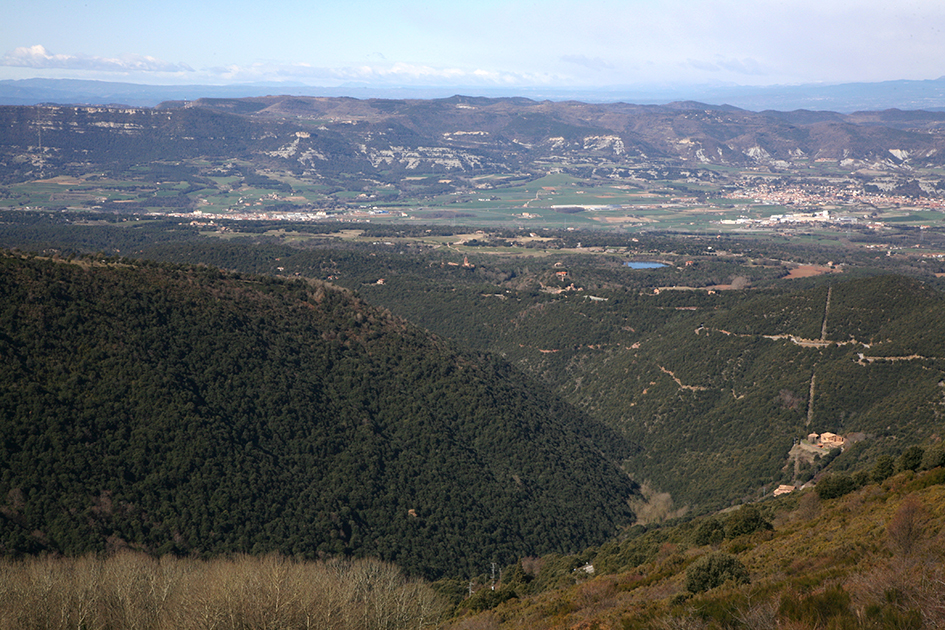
[72, 233]
[133, 590]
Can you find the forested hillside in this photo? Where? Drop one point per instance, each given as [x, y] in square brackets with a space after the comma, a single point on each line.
[713, 387]
[185, 410]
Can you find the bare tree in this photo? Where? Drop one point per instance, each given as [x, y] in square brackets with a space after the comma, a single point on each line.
[906, 529]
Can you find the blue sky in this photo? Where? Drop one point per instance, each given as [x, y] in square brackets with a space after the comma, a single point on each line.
[488, 43]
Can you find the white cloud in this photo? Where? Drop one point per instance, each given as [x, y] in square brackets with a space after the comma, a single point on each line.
[380, 74]
[38, 57]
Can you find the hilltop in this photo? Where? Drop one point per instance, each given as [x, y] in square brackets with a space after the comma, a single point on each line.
[848, 97]
[183, 410]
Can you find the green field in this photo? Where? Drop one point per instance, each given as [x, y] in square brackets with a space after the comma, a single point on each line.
[553, 201]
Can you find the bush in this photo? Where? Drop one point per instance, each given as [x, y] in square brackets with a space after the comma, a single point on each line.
[714, 570]
[486, 599]
[746, 520]
[829, 608]
[833, 486]
[709, 532]
[907, 528]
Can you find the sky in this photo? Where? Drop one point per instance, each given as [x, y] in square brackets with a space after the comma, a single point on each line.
[508, 44]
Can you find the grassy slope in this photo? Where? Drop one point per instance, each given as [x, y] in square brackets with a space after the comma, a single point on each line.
[838, 563]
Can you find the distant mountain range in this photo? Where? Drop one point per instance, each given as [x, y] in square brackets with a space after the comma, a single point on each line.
[846, 97]
[332, 138]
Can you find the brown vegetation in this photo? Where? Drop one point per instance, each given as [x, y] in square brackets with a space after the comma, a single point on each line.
[130, 590]
[654, 506]
[806, 271]
[870, 559]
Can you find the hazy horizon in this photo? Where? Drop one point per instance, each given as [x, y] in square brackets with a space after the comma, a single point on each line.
[510, 45]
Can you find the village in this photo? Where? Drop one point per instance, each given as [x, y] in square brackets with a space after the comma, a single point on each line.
[848, 194]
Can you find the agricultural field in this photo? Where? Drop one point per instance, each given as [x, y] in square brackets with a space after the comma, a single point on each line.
[554, 201]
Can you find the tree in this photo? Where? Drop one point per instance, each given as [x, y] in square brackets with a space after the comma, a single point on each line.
[934, 457]
[883, 469]
[709, 532]
[833, 486]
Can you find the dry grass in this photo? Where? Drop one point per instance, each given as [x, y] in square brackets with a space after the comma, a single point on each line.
[134, 591]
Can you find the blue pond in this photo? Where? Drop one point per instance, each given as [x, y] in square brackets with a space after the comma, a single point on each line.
[644, 265]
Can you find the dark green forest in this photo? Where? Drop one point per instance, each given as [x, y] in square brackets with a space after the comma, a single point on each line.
[185, 410]
[222, 420]
[713, 388]
[707, 389]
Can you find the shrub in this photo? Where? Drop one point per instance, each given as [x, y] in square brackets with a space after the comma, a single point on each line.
[714, 570]
[808, 508]
[709, 532]
[746, 520]
[829, 608]
[906, 529]
[486, 599]
[833, 486]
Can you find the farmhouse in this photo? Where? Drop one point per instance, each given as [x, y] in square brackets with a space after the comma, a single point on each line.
[826, 440]
[831, 440]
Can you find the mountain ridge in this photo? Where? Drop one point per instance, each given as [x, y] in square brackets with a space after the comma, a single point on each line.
[335, 139]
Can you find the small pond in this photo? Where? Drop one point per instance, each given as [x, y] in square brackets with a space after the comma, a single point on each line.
[644, 265]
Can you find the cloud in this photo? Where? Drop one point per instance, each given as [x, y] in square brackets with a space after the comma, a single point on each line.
[38, 57]
[743, 66]
[381, 74]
